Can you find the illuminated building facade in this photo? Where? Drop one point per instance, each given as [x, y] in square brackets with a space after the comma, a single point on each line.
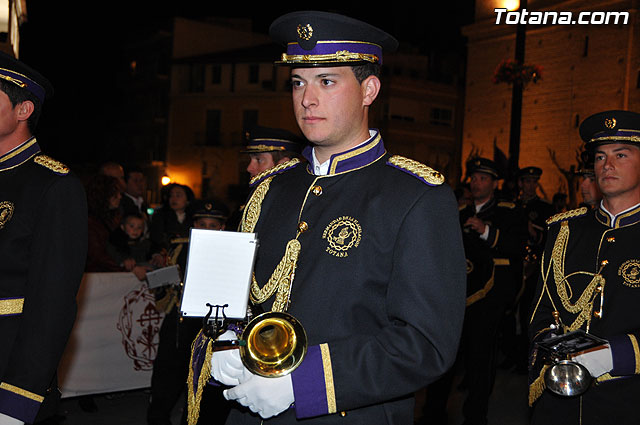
[585, 69]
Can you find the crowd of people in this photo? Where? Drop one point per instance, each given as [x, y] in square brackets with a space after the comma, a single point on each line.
[125, 235]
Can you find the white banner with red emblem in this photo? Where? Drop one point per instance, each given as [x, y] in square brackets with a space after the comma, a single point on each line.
[114, 339]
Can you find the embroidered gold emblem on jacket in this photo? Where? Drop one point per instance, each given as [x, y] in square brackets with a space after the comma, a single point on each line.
[341, 235]
[630, 272]
[6, 212]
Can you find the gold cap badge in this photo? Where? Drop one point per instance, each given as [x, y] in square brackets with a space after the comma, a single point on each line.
[305, 32]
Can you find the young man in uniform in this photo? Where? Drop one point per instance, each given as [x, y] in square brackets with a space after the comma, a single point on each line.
[589, 282]
[43, 249]
[494, 236]
[373, 240]
[268, 147]
[589, 189]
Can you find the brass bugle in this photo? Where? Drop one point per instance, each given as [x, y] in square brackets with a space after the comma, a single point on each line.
[275, 344]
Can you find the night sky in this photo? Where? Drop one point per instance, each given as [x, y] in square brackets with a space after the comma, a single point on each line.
[79, 50]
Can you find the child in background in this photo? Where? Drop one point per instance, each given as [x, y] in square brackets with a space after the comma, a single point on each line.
[127, 244]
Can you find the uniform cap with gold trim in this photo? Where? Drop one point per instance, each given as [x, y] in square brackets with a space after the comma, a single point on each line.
[315, 38]
[614, 126]
[210, 208]
[530, 172]
[482, 165]
[266, 139]
[18, 73]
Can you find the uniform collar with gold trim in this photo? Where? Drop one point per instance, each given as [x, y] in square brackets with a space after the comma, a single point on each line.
[355, 158]
[625, 218]
[19, 155]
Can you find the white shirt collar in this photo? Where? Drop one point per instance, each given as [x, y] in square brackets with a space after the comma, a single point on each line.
[136, 200]
[614, 216]
[323, 169]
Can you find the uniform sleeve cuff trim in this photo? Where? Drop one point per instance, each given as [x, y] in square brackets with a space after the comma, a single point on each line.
[328, 378]
[494, 235]
[18, 403]
[626, 355]
[312, 381]
[21, 392]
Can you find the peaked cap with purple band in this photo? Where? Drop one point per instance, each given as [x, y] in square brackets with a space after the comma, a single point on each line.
[316, 38]
[266, 139]
[611, 127]
[16, 72]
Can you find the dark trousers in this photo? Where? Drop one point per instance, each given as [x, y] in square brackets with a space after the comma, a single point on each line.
[170, 373]
[480, 338]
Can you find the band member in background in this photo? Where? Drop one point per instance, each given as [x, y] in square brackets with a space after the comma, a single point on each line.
[43, 249]
[589, 281]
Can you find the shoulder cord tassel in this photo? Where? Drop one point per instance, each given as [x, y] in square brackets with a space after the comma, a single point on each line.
[199, 374]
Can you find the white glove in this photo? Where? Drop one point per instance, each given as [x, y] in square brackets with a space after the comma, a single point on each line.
[598, 360]
[265, 396]
[8, 420]
[226, 366]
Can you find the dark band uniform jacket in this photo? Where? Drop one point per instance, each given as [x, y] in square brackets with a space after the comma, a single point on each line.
[378, 285]
[593, 254]
[536, 211]
[494, 277]
[494, 266]
[43, 249]
[590, 276]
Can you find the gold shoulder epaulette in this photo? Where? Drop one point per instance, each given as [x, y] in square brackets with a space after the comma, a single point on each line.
[567, 215]
[506, 204]
[50, 163]
[417, 169]
[278, 169]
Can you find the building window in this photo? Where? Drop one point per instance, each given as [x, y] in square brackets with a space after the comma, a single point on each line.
[216, 74]
[585, 51]
[196, 78]
[441, 116]
[254, 74]
[249, 119]
[406, 118]
[213, 128]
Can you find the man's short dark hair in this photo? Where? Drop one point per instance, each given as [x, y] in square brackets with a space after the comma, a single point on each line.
[131, 169]
[18, 95]
[362, 72]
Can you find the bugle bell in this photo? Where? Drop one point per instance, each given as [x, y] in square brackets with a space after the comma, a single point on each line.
[563, 376]
[275, 343]
[567, 378]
